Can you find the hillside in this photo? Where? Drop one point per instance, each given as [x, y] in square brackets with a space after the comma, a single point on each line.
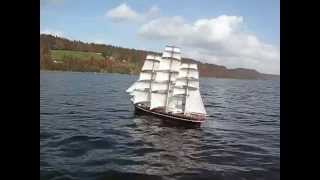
[79, 55]
[58, 53]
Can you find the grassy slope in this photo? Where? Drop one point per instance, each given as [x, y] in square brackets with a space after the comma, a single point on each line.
[60, 55]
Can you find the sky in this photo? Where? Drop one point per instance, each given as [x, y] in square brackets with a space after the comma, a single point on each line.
[233, 33]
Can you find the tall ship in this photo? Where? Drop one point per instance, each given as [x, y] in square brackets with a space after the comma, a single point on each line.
[168, 88]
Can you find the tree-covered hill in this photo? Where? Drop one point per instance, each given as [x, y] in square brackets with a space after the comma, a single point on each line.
[57, 53]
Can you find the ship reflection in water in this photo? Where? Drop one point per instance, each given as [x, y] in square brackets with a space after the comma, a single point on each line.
[174, 145]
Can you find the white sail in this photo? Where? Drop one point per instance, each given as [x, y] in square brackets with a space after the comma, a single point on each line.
[183, 82]
[170, 54]
[172, 48]
[173, 77]
[162, 76]
[145, 76]
[175, 104]
[153, 57]
[131, 88]
[141, 85]
[175, 65]
[189, 66]
[178, 91]
[194, 103]
[173, 52]
[140, 96]
[159, 86]
[193, 74]
[151, 63]
[164, 65]
[140, 90]
[148, 65]
[157, 100]
[188, 73]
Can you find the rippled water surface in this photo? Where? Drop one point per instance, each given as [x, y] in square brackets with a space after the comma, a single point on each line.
[88, 130]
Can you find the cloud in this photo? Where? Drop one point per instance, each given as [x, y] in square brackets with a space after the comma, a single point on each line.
[154, 11]
[170, 28]
[123, 13]
[219, 40]
[52, 32]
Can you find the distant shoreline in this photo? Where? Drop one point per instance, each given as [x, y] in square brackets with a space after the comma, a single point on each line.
[205, 77]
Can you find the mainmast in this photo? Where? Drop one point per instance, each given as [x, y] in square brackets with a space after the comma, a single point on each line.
[165, 76]
[169, 81]
[152, 77]
[155, 60]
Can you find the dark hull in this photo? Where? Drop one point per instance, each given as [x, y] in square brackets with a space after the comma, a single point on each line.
[162, 115]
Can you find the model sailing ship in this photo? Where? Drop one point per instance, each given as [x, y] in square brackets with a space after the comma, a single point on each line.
[168, 89]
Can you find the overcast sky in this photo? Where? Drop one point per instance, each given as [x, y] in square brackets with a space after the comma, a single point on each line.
[233, 33]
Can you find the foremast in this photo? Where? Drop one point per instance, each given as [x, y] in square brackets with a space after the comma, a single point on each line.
[142, 88]
[170, 82]
[150, 66]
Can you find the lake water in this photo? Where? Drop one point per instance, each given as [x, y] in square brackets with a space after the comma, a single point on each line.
[88, 130]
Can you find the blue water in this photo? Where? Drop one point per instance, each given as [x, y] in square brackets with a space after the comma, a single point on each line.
[88, 130]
